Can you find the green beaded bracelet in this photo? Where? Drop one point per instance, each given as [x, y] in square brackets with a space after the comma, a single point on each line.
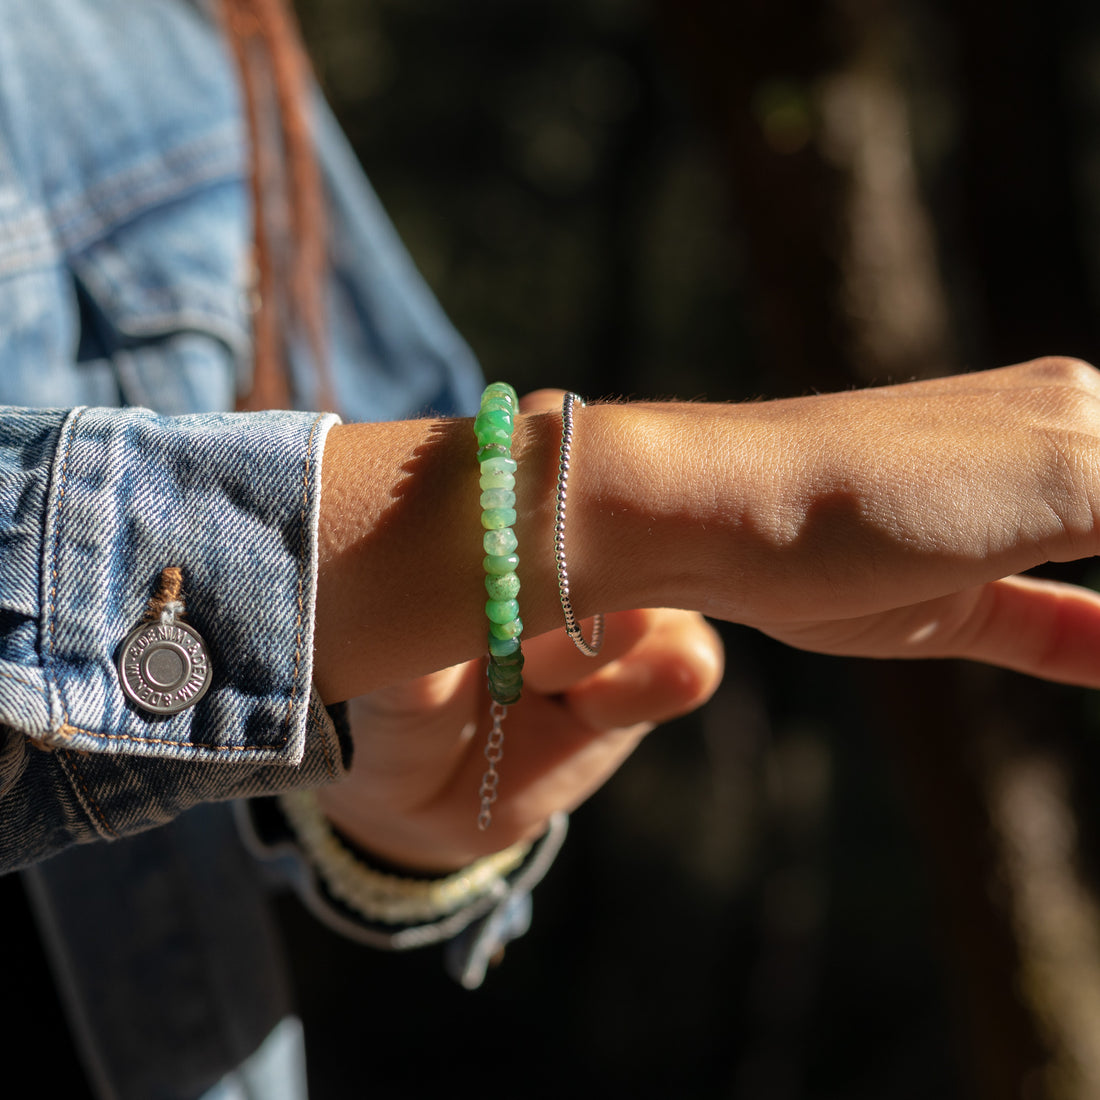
[493, 429]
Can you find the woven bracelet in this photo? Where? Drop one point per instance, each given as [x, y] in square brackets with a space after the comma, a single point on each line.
[387, 898]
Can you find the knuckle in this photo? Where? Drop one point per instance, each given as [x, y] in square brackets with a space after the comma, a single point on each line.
[1061, 398]
[693, 673]
[1062, 370]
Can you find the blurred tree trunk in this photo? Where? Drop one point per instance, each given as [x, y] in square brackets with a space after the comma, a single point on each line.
[812, 125]
[812, 121]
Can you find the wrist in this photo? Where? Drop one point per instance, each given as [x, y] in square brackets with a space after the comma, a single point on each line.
[633, 534]
[400, 587]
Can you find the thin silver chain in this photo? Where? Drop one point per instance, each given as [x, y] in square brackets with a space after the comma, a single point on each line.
[572, 627]
[494, 751]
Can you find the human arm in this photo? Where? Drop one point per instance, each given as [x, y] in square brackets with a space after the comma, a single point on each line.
[97, 503]
[884, 523]
[878, 522]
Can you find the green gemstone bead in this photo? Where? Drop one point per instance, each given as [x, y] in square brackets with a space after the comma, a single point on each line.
[493, 428]
[493, 519]
[501, 389]
[493, 418]
[497, 404]
[489, 451]
[505, 563]
[498, 464]
[502, 647]
[500, 436]
[502, 611]
[511, 629]
[505, 694]
[504, 682]
[504, 587]
[494, 437]
[504, 698]
[493, 480]
[512, 675]
[498, 498]
[499, 543]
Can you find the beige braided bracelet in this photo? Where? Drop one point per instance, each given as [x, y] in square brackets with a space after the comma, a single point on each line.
[387, 898]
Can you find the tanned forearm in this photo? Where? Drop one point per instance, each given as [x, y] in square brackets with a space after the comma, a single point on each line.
[879, 522]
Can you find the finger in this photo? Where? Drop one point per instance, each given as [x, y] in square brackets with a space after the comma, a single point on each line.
[552, 663]
[532, 791]
[1040, 627]
[384, 722]
[556, 752]
[1044, 628]
[552, 760]
[672, 670]
[559, 751]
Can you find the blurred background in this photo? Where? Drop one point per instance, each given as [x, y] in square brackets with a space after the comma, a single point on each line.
[844, 879]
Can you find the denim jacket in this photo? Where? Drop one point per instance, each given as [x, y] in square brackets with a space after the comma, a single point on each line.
[124, 334]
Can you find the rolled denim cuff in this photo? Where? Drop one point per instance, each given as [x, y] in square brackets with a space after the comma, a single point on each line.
[52, 800]
[95, 504]
[230, 499]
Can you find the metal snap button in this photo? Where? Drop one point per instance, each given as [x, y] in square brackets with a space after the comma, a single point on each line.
[164, 667]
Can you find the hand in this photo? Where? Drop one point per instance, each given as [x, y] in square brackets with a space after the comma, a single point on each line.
[412, 794]
[889, 522]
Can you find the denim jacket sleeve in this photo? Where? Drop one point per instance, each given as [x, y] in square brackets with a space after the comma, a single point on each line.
[94, 503]
[124, 259]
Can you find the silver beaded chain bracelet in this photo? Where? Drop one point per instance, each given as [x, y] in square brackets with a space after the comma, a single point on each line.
[572, 627]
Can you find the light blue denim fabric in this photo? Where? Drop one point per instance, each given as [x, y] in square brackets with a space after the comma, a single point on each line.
[124, 257]
[232, 500]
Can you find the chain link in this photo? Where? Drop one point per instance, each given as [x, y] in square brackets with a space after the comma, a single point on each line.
[494, 753]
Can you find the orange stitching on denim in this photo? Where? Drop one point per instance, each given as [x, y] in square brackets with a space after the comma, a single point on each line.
[301, 578]
[68, 730]
[66, 763]
[169, 591]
